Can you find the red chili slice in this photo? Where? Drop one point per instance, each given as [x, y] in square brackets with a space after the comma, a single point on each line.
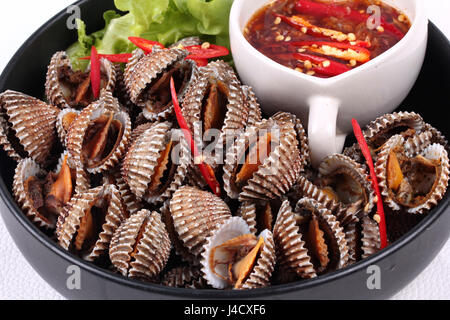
[114, 58]
[366, 152]
[144, 44]
[95, 73]
[200, 52]
[205, 169]
[200, 62]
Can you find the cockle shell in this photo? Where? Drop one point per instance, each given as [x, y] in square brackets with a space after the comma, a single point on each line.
[370, 237]
[130, 202]
[352, 235]
[279, 170]
[27, 126]
[143, 164]
[328, 224]
[177, 243]
[140, 247]
[302, 137]
[143, 71]
[25, 169]
[82, 179]
[35, 204]
[355, 188]
[384, 127]
[259, 215]
[254, 108]
[77, 217]
[363, 239]
[291, 251]
[434, 187]
[184, 277]
[58, 93]
[64, 121]
[232, 114]
[247, 211]
[75, 140]
[196, 214]
[261, 270]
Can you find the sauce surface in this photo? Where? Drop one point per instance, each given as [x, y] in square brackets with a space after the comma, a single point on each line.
[328, 37]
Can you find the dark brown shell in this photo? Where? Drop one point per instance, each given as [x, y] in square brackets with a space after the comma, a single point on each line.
[27, 126]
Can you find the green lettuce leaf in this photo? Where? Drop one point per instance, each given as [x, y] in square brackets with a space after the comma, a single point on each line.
[166, 21]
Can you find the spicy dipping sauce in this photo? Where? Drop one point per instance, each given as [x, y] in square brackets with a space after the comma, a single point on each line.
[325, 38]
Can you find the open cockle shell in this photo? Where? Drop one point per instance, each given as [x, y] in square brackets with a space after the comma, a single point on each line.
[348, 184]
[291, 251]
[380, 130]
[43, 195]
[63, 122]
[196, 214]
[89, 221]
[90, 126]
[27, 126]
[140, 247]
[414, 179]
[66, 88]
[266, 176]
[332, 233]
[25, 169]
[147, 78]
[156, 163]
[259, 270]
[216, 102]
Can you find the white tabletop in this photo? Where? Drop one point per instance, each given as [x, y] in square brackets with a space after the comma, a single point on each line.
[18, 20]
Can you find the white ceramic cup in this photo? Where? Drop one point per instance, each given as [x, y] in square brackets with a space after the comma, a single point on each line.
[326, 106]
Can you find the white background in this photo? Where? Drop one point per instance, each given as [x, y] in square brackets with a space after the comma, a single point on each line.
[18, 20]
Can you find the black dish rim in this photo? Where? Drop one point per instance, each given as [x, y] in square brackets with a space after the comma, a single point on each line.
[10, 203]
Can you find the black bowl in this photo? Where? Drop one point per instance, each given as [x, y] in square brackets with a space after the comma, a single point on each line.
[399, 264]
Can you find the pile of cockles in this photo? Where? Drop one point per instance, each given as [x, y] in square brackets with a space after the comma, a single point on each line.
[99, 176]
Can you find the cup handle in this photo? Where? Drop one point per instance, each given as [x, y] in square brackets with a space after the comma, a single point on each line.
[322, 131]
